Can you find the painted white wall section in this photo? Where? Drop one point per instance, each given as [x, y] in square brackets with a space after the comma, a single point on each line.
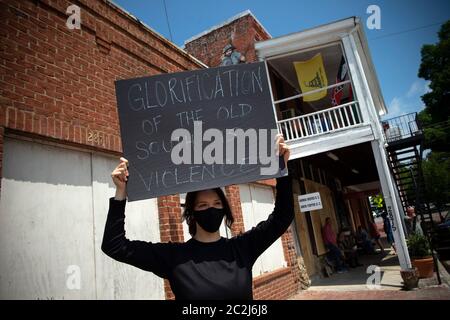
[53, 210]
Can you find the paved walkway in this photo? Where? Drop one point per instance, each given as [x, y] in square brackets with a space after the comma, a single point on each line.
[361, 284]
[430, 293]
[357, 278]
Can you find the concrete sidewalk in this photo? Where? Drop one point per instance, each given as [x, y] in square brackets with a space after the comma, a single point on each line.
[356, 279]
[353, 285]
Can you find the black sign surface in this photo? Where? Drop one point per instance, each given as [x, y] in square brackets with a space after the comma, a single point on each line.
[234, 101]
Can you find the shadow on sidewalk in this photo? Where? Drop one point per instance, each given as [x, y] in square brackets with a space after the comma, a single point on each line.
[359, 278]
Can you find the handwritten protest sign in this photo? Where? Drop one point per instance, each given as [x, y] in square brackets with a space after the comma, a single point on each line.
[196, 130]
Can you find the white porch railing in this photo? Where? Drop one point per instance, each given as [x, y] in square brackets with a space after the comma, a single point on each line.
[320, 122]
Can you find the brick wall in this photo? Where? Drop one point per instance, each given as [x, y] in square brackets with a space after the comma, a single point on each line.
[242, 33]
[58, 84]
[170, 227]
[234, 199]
[281, 283]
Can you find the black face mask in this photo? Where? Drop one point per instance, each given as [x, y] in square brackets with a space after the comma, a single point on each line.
[209, 219]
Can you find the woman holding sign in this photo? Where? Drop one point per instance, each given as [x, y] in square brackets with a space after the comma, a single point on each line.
[207, 266]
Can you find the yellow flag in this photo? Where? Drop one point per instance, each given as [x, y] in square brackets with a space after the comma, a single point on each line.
[311, 76]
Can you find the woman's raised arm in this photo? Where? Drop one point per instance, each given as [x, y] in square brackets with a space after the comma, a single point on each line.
[153, 257]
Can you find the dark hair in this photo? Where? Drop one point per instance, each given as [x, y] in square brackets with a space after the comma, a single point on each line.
[189, 205]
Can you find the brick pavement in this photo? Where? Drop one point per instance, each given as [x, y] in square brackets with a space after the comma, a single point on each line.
[431, 293]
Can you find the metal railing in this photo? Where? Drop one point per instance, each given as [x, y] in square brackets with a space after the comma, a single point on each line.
[344, 116]
[401, 127]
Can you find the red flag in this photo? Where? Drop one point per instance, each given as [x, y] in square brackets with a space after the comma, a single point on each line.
[338, 91]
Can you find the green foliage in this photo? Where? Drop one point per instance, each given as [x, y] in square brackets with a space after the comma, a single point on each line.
[418, 246]
[436, 172]
[436, 138]
[435, 118]
[377, 201]
[435, 67]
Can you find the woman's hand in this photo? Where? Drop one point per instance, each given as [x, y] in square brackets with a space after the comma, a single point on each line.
[120, 177]
[283, 148]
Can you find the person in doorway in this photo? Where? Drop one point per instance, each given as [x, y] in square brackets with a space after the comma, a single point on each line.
[207, 266]
[375, 235]
[330, 241]
[388, 230]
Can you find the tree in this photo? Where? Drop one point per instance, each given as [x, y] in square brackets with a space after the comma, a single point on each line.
[435, 67]
[377, 203]
[436, 172]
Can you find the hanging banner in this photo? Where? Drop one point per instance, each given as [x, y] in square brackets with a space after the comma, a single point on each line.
[311, 76]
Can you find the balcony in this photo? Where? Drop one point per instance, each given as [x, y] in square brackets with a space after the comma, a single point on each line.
[330, 120]
[325, 130]
[403, 131]
[324, 89]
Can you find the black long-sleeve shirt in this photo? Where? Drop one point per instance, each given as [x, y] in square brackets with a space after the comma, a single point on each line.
[198, 270]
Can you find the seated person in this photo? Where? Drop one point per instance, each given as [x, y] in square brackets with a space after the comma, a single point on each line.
[329, 238]
[347, 245]
[363, 241]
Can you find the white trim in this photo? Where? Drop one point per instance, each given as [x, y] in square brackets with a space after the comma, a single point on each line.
[226, 22]
[355, 73]
[391, 203]
[287, 54]
[305, 39]
[371, 108]
[271, 94]
[372, 74]
[320, 143]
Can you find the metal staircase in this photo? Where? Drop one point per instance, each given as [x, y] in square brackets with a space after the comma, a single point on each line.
[404, 137]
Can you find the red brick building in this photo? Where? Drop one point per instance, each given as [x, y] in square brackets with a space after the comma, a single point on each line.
[242, 31]
[57, 91]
